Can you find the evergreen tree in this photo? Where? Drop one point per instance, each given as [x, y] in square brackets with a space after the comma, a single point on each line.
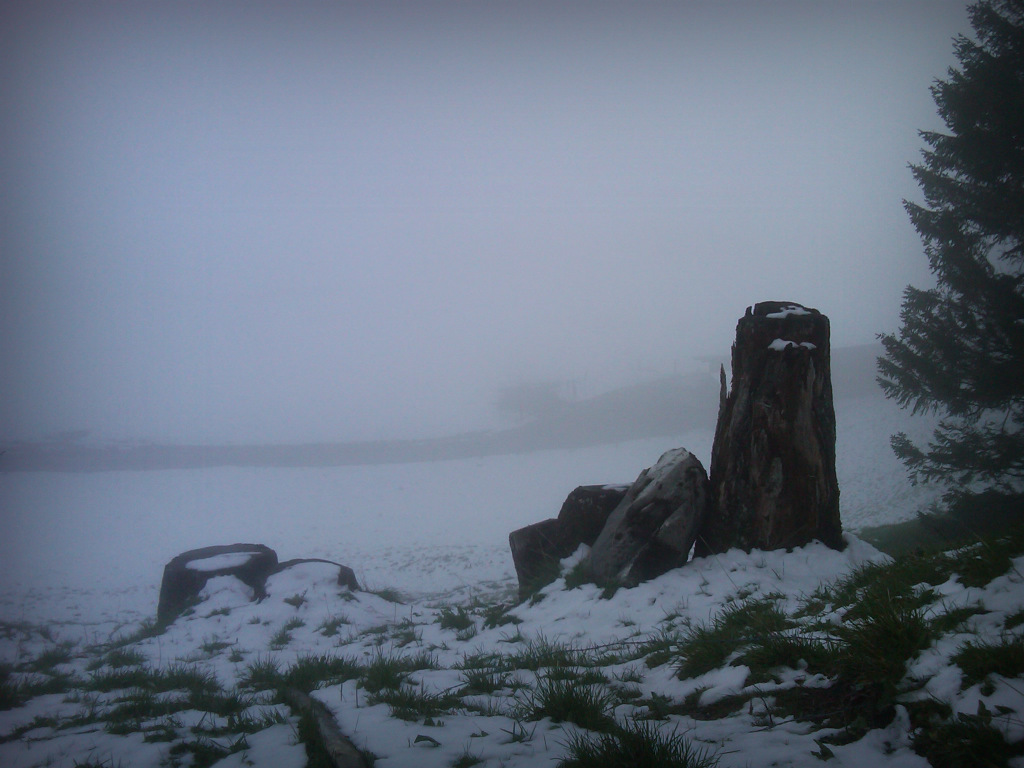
[960, 348]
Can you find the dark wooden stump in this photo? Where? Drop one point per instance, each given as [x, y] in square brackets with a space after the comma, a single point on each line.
[773, 465]
[187, 574]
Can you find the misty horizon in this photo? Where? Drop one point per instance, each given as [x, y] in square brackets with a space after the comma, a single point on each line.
[293, 223]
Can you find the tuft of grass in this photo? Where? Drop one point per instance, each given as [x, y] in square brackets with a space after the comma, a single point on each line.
[580, 574]
[966, 742]
[484, 681]
[565, 700]
[878, 643]
[547, 571]
[52, 657]
[386, 671]
[124, 657]
[978, 660]
[541, 653]
[12, 691]
[457, 619]
[213, 645]
[310, 672]
[466, 760]
[498, 616]
[388, 593]
[296, 601]
[280, 639]
[124, 677]
[329, 627]
[635, 745]
[412, 704]
[704, 647]
[262, 675]
[1014, 619]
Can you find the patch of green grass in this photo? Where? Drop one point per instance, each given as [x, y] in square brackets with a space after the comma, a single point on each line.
[456, 619]
[978, 660]
[498, 616]
[578, 575]
[466, 760]
[704, 647]
[581, 574]
[311, 671]
[12, 691]
[146, 630]
[412, 704]
[280, 639]
[541, 653]
[124, 657]
[202, 752]
[123, 677]
[565, 700]
[635, 745]
[1014, 619]
[406, 635]
[213, 645]
[484, 681]
[296, 601]
[261, 675]
[130, 711]
[547, 571]
[965, 742]
[388, 593]
[787, 650]
[481, 661]
[954, 618]
[385, 671]
[52, 657]
[878, 643]
[660, 647]
[329, 627]
[189, 678]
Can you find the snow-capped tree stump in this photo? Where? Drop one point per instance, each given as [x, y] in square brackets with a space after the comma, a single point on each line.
[773, 464]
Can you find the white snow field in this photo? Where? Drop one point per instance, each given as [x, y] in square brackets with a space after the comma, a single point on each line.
[83, 556]
[90, 547]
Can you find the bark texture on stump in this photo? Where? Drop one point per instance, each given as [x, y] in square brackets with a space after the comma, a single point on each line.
[773, 464]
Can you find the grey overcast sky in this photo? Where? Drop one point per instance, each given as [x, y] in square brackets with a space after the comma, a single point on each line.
[343, 221]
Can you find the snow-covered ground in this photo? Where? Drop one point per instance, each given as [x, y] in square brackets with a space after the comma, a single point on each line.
[90, 547]
[83, 553]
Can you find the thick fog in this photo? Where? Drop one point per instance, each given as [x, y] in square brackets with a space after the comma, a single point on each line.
[302, 221]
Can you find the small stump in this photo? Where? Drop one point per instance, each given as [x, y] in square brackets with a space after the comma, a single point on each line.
[187, 574]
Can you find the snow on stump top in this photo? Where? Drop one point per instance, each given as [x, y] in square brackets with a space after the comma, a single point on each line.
[773, 464]
[653, 528]
[187, 574]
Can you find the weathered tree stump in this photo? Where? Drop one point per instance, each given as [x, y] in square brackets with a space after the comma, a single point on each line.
[773, 464]
[187, 574]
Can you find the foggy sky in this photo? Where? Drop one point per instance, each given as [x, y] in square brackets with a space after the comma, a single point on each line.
[316, 222]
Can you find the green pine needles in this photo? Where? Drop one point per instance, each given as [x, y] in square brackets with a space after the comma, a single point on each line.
[960, 348]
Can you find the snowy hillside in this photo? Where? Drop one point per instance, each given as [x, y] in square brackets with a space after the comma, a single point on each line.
[457, 675]
[92, 546]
